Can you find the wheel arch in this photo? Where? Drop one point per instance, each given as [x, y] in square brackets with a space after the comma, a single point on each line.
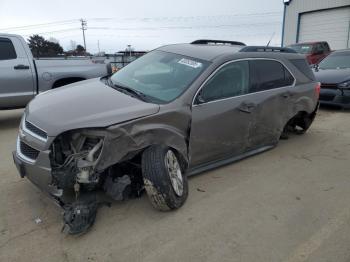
[65, 81]
[122, 144]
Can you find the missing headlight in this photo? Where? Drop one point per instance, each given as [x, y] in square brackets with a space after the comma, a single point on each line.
[73, 159]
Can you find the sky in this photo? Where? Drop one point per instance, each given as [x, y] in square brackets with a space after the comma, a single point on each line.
[145, 25]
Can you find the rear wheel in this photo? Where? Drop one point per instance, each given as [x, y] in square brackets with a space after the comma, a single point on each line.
[164, 178]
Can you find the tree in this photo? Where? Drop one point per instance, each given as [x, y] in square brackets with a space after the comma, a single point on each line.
[41, 47]
[36, 44]
[80, 50]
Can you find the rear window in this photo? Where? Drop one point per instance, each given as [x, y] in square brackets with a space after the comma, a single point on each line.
[7, 51]
[302, 49]
[303, 67]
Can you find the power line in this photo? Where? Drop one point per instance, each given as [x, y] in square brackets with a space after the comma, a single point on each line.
[63, 22]
[143, 19]
[183, 27]
[56, 31]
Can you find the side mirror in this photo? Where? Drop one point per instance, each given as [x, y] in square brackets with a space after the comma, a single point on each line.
[199, 99]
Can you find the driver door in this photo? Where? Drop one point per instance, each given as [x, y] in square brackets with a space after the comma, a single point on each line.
[16, 75]
[221, 115]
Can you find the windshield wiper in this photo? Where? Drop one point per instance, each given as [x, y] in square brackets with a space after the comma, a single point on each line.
[126, 89]
[131, 91]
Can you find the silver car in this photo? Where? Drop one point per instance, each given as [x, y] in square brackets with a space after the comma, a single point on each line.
[177, 111]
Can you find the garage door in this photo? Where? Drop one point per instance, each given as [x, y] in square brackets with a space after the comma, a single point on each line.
[329, 25]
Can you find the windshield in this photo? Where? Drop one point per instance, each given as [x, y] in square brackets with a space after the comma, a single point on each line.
[160, 75]
[336, 61]
[302, 49]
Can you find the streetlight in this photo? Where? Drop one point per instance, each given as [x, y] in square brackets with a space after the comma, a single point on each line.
[285, 4]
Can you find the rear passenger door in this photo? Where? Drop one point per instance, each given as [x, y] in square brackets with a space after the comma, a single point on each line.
[271, 90]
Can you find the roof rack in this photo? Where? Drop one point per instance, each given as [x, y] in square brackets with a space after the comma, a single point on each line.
[267, 49]
[216, 42]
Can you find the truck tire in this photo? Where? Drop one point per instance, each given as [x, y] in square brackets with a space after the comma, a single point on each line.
[164, 179]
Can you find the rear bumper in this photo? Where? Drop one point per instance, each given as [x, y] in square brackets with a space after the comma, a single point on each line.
[335, 97]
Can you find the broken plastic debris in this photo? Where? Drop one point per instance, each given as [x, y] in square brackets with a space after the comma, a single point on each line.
[38, 220]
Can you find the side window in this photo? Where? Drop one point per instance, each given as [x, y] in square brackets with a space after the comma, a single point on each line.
[268, 74]
[288, 78]
[7, 51]
[326, 47]
[319, 49]
[231, 80]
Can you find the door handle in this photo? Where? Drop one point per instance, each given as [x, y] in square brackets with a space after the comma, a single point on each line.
[246, 107]
[21, 67]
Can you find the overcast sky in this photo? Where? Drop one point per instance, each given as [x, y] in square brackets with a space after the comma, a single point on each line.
[144, 24]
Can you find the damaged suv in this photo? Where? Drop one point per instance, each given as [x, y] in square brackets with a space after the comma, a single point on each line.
[177, 111]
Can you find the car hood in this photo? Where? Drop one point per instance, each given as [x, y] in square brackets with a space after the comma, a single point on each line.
[84, 104]
[332, 76]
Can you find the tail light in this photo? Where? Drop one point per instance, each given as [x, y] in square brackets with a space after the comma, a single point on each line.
[318, 89]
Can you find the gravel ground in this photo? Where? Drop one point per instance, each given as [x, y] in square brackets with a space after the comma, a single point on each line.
[288, 204]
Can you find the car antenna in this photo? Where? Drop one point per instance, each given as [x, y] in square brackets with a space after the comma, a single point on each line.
[268, 43]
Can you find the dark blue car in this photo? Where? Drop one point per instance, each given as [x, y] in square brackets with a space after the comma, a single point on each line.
[334, 74]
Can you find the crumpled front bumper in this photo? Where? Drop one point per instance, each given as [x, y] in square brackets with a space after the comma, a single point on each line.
[38, 171]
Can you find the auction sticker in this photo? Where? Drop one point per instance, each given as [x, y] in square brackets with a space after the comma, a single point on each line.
[189, 62]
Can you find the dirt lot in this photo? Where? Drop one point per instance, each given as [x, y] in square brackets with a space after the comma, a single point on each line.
[287, 204]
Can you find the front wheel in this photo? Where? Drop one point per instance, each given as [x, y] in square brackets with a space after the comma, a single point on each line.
[164, 178]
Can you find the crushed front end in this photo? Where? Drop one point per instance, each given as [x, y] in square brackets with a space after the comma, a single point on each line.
[65, 167]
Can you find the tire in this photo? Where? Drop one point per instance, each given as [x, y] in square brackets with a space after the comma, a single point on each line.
[164, 193]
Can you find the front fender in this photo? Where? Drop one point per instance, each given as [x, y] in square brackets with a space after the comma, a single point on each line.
[123, 142]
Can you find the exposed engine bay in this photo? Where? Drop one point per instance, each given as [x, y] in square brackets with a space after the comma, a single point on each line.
[82, 188]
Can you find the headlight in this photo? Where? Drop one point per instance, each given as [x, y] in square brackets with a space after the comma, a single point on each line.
[345, 85]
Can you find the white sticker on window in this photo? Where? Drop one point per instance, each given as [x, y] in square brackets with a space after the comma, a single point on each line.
[191, 63]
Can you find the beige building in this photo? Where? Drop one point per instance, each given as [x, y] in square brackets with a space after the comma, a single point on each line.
[317, 20]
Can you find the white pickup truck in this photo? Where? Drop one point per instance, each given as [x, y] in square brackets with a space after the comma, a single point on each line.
[22, 77]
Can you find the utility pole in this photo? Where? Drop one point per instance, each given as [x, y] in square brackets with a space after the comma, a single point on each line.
[98, 46]
[83, 28]
[129, 47]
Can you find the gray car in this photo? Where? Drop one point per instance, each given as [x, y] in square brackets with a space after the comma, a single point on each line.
[177, 111]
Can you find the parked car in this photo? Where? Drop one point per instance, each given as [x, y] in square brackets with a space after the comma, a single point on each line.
[22, 77]
[314, 51]
[334, 74]
[177, 111]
